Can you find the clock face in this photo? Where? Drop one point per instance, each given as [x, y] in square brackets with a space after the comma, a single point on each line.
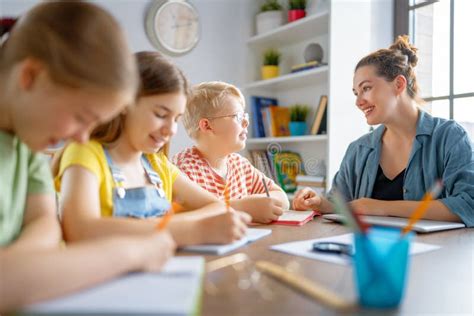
[174, 26]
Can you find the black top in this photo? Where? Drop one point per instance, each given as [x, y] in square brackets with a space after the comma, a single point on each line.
[386, 189]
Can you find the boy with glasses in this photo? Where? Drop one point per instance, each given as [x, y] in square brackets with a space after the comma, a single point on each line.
[216, 120]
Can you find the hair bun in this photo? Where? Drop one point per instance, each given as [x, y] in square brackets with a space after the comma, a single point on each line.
[402, 44]
[412, 57]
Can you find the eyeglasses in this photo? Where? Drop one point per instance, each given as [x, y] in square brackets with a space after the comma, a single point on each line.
[239, 117]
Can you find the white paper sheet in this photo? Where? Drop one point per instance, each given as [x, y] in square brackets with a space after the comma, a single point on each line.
[174, 291]
[303, 248]
[253, 234]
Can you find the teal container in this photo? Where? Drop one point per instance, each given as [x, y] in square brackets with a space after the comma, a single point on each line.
[381, 266]
[297, 128]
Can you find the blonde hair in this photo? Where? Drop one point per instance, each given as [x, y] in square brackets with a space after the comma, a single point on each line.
[80, 44]
[205, 100]
[399, 59]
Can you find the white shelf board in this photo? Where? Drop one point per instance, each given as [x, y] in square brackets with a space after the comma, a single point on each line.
[291, 80]
[307, 27]
[287, 139]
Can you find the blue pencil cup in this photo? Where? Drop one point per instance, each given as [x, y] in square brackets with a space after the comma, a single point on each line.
[380, 266]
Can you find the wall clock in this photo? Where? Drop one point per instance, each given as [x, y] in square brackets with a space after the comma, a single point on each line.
[172, 26]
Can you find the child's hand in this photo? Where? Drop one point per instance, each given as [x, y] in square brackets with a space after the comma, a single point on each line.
[306, 199]
[223, 228]
[263, 209]
[156, 249]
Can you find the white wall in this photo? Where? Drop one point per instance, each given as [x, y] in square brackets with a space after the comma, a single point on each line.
[217, 56]
[226, 25]
[350, 41]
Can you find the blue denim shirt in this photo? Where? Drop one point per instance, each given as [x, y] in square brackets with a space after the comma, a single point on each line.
[441, 150]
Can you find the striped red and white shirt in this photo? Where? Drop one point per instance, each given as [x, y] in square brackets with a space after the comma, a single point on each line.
[244, 178]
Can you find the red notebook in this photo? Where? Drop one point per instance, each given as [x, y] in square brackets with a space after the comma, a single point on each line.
[295, 218]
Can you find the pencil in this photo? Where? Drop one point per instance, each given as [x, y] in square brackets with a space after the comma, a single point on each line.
[307, 287]
[175, 207]
[266, 187]
[227, 196]
[425, 202]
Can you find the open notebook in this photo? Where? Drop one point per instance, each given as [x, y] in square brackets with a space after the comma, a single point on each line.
[174, 291]
[296, 218]
[253, 234]
[422, 226]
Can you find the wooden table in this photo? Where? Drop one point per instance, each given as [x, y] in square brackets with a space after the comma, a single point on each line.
[440, 282]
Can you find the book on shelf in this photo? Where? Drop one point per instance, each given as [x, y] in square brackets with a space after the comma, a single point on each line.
[262, 162]
[257, 103]
[266, 121]
[320, 119]
[318, 190]
[288, 165]
[306, 66]
[276, 120]
[309, 178]
[310, 181]
[286, 169]
[311, 184]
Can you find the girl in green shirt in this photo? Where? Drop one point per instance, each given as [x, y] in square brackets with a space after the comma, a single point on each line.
[64, 68]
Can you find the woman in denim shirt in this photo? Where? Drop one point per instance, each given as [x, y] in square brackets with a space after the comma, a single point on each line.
[387, 171]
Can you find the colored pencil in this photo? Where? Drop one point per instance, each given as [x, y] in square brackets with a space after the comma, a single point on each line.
[352, 219]
[227, 196]
[425, 202]
[310, 288]
[175, 207]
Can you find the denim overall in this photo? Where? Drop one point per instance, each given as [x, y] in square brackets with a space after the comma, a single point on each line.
[142, 202]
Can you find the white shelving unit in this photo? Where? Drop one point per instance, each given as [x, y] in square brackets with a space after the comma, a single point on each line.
[343, 29]
[291, 80]
[289, 139]
[310, 26]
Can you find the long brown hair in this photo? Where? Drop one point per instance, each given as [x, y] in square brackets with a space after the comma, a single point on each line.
[81, 45]
[399, 59]
[158, 75]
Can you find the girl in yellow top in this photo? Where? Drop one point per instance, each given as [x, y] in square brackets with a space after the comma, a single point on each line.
[65, 67]
[121, 174]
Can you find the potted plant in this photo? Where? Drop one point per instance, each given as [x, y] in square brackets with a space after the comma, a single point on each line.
[270, 16]
[298, 115]
[296, 10]
[270, 68]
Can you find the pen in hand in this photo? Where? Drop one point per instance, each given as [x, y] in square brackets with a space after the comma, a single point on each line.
[266, 187]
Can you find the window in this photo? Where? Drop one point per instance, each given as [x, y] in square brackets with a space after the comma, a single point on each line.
[442, 31]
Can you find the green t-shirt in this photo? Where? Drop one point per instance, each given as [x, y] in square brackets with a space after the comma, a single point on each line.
[22, 172]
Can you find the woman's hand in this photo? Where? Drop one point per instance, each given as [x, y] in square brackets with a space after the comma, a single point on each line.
[306, 199]
[366, 206]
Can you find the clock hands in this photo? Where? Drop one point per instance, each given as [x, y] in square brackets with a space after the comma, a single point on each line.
[177, 26]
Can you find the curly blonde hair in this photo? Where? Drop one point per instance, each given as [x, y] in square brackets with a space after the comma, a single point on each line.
[205, 100]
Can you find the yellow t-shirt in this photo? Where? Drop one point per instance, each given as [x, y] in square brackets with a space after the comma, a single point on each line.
[92, 157]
